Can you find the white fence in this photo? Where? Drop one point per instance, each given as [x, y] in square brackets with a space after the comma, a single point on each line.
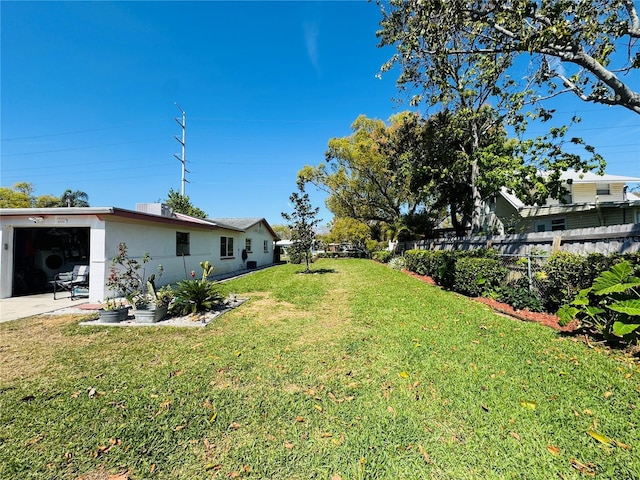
[605, 240]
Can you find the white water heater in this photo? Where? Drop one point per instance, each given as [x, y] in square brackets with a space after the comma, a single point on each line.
[50, 262]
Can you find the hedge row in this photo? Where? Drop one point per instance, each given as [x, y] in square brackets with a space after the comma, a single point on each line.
[481, 273]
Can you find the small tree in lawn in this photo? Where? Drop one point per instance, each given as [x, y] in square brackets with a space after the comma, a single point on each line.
[302, 222]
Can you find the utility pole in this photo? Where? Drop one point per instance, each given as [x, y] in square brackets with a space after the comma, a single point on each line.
[181, 158]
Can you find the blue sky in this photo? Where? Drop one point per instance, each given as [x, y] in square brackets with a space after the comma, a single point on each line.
[88, 93]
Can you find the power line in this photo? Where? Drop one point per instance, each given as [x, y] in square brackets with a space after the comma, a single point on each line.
[75, 148]
[60, 134]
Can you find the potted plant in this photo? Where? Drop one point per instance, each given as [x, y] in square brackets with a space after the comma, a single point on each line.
[156, 302]
[113, 311]
[127, 278]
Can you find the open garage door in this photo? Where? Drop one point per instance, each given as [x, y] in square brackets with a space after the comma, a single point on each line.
[41, 253]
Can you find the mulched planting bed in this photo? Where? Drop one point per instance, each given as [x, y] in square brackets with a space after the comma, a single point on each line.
[547, 319]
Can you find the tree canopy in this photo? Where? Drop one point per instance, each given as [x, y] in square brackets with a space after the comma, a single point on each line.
[453, 63]
[447, 162]
[586, 47]
[283, 231]
[21, 195]
[74, 198]
[349, 230]
[13, 198]
[182, 204]
[365, 176]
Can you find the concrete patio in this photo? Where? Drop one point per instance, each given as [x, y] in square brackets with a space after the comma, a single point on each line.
[26, 306]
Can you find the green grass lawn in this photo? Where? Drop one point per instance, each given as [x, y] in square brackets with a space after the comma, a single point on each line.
[360, 372]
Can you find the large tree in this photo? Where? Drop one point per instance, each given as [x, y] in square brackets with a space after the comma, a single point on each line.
[444, 158]
[14, 198]
[444, 55]
[47, 201]
[21, 195]
[365, 177]
[349, 230]
[447, 163]
[182, 204]
[283, 231]
[586, 47]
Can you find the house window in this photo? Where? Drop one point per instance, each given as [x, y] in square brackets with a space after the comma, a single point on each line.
[247, 245]
[603, 189]
[558, 224]
[266, 246]
[226, 246]
[182, 244]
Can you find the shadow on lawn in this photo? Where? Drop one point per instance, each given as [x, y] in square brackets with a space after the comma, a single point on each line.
[319, 271]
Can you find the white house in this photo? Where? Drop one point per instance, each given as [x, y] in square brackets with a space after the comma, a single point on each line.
[38, 243]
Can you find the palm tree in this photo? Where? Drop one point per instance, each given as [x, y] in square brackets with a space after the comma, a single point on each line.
[74, 199]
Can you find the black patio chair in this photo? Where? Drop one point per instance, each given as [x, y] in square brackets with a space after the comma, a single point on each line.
[72, 282]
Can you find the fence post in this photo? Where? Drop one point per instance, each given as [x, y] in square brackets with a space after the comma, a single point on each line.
[529, 274]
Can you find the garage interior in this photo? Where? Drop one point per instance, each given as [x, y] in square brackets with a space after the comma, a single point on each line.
[41, 253]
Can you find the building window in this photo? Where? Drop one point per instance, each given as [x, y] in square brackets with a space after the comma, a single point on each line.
[603, 189]
[266, 246]
[558, 224]
[226, 246]
[247, 245]
[182, 244]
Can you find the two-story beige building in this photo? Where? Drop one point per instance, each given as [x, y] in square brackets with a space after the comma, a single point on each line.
[592, 201]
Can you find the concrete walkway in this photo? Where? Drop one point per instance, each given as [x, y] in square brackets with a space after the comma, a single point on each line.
[20, 307]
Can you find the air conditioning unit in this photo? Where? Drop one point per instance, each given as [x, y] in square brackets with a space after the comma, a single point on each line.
[161, 209]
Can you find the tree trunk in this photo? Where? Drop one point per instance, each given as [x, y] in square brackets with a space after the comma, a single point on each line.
[458, 226]
[475, 174]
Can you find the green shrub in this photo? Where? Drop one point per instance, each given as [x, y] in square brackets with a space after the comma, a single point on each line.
[295, 256]
[611, 304]
[519, 295]
[397, 263]
[561, 278]
[193, 296]
[440, 264]
[475, 276]
[634, 260]
[442, 267]
[418, 261]
[382, 256]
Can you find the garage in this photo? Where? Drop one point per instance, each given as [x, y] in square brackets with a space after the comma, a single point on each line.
[40, 253]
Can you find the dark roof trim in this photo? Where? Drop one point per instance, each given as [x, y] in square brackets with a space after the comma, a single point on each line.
[183, 221]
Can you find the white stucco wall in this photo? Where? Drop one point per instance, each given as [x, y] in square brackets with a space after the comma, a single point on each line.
[10, 223]
[159, 241]
[258, 234]
[142, 236]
